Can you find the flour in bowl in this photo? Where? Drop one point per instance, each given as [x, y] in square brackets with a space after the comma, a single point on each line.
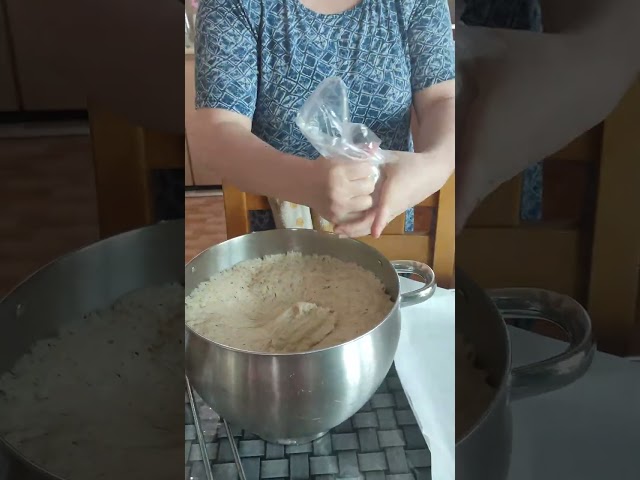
[250, 305]
[103, 395]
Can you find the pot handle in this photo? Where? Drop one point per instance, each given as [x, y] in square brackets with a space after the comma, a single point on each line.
[422, 294]
[563, 369]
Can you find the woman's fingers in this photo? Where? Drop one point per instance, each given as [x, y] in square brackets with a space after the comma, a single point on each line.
[360, 203]
[363, 186]
[358, 170]
[358, 228]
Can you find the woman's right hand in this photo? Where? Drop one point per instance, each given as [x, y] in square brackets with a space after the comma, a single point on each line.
[341, 190]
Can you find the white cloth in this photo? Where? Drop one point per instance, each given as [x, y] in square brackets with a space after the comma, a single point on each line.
[425, 362]
[589, 430]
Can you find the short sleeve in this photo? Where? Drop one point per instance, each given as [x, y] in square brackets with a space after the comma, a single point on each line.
[431, 47]
[226, 56]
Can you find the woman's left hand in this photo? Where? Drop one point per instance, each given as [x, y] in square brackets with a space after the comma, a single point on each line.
[405, 183]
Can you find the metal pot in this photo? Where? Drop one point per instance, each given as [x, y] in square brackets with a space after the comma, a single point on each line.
[484, 451]
[74, 285]
[295, 398]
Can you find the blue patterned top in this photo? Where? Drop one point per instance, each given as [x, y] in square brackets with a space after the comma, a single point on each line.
[263, 58]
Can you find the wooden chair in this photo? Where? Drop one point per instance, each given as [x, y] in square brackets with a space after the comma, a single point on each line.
[124, 155]
[587, 244]
[435, 248]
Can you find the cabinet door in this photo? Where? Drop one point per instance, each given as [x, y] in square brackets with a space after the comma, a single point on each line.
[8, 92]
[48, 47]
[201, 176]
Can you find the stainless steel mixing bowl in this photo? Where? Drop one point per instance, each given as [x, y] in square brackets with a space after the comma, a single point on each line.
[483, 450]
[72, 286]
[295, 398]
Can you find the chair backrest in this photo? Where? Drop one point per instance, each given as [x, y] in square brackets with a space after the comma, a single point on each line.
[434, 246]
[124, 154]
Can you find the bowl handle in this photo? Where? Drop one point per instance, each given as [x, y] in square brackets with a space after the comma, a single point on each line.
[423, 293]
[563, 369]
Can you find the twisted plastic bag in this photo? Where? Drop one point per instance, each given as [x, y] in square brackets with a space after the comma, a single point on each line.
[325, 121]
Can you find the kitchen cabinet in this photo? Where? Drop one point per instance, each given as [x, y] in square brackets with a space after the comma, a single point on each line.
[199, 175]
[47, 54]
[8, 92]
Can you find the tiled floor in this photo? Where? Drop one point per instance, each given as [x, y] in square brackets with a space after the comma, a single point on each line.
[47, 202]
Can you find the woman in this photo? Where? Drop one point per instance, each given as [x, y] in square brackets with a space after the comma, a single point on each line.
[258, 61]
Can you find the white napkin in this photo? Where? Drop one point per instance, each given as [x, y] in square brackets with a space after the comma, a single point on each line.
[588, 430]
[425, 362]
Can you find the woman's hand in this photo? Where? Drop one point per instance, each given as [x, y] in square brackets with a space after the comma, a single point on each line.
[405, 183]
[340, 190]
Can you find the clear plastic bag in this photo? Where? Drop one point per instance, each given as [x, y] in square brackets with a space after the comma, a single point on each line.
[324, 120]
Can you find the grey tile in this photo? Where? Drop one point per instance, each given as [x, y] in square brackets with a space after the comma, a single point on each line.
[348, 465]
[188, 415]
[365, 420]
[372, 461]
[251, 467]
[418, 458]
[366, 407]
[299, 466]
[383, 388]
[274, 468]
[274, 451]
[225, 454]
[212, 451]
[374, 476]
[344, 427]
[386, 419]
[249, 436]
[197, 471]
[406, 417]
[189, 432]
[382, 400]
[251, 448]
[187, 450]
[413, 437]
[397, 460]
[401, 400]
[394, 384]
[391, 438]
[400, 476]
[305, 448]
[323, 465]
[222, 471]
[368, 440]
[222, 432]
[187, 473]
[344, 441]
[322, 446]
[423, 474]
[209, 429]
[324, 477]
[392, 371]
